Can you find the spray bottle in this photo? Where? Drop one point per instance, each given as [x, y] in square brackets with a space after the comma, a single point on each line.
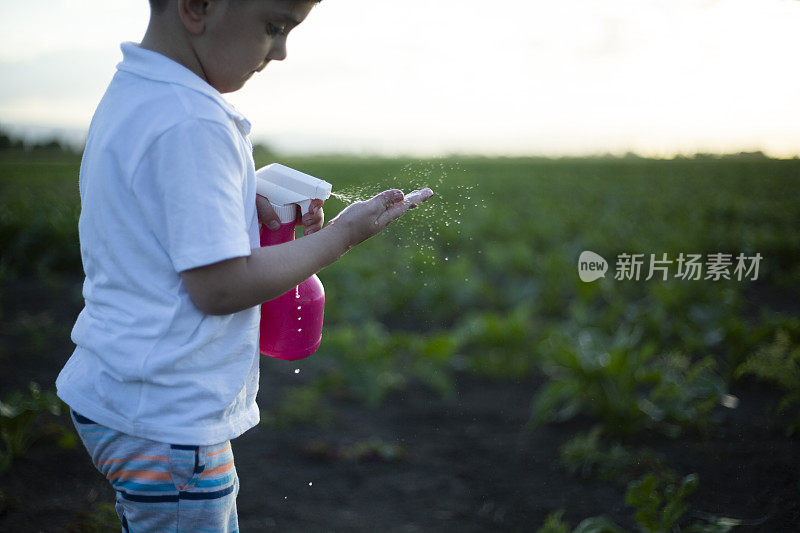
[291, 324]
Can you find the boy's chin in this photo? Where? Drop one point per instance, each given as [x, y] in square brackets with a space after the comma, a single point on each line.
[233, 86]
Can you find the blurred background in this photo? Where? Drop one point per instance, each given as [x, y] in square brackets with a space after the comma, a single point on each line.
[467, 379]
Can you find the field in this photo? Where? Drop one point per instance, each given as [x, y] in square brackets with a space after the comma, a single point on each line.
[468, 380]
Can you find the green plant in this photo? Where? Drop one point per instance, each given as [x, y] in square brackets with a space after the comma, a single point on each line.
[35, 332]
[369, 362]
[587, 455]
[554, 523]
[586, 377]
[684, 393]
[627, 386]
[99, 520]
[302, 404]
[660, 505]
[374, 449]
[499, 344]
[779, 363]
[21, 424]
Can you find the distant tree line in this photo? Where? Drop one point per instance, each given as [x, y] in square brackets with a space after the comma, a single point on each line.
[263, 152]
[9, 143]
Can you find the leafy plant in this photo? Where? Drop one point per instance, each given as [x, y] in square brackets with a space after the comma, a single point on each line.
[375, 449]
[684, 393]
[21, 424]
[554, 523]
[627, 386]
[779, 363]
[370, 362]
[587, 455]
[499, 344]
[99, 520]
[660, 505]
[302, 404]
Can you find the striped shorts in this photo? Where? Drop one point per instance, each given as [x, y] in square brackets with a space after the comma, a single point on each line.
[164, 487]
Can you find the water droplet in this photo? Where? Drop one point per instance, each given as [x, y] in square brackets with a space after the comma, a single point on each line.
[299, 330]
[310, 483]
[299, 307]
[296, 370]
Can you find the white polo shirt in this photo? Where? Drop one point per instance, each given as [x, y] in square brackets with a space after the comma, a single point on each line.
[167, 183]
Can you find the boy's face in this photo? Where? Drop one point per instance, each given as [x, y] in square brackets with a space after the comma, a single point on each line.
[241, 36]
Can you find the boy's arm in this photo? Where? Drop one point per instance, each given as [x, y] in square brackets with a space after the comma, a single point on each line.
[240, 283]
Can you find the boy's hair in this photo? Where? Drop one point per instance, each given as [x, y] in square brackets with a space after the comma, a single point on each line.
[157, 6]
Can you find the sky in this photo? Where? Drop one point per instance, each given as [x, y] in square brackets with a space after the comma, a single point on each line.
[433, 77]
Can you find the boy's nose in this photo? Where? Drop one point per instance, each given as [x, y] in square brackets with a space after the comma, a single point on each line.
[277, 52]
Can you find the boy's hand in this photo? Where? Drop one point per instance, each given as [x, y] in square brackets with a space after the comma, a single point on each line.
[312, 220]
[368, 218]
[315, 218]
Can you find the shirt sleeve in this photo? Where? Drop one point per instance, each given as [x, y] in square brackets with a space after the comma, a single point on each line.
[190, 188]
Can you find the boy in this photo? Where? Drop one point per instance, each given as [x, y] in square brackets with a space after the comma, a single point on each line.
[165, 370]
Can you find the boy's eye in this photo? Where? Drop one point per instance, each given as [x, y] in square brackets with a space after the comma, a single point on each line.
[273, 30]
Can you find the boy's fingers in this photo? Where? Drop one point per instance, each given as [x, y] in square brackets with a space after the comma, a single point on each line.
[266, 214]
[313, 217]
[312, 228]
[390, 197]
[415, 198]
[410, 201]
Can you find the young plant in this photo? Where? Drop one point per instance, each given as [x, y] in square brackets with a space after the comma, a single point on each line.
[375, 449]
[627, 386]
[660, 505]
[21, 425]
[100, 519]
[588, 455]
[370, 362]
[498, 345]
[779, 362]
[554, 523]
[301, 404]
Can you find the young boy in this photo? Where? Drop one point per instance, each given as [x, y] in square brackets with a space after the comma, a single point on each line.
[165, 370]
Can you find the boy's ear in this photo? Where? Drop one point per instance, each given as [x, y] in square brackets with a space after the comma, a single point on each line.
[193, 14]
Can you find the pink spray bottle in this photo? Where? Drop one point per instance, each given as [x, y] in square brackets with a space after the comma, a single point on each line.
[291, 324]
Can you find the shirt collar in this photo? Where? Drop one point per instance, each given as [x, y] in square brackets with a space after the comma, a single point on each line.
[154, 66]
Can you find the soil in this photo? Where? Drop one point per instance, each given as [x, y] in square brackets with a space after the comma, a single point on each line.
[464, 465]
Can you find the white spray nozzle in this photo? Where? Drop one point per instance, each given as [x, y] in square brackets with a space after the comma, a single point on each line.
[286, 187]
